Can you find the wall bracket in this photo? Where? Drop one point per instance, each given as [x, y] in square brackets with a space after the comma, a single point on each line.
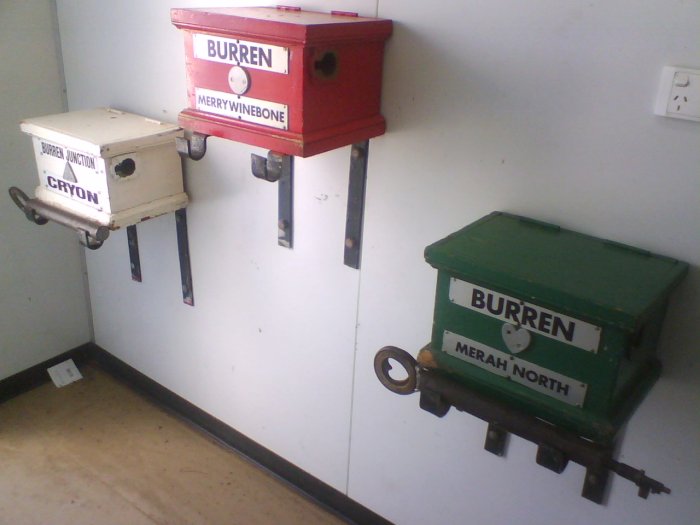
[278, 167]
[183, 250]
[356, 204]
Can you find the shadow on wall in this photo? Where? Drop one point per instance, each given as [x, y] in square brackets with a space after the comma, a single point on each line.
[677, 351]
[418, 75]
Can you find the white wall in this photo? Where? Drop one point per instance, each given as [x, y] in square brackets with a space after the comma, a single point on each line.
[543, 108]
[43, 307]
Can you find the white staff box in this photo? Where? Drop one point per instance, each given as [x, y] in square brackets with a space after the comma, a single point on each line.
[107, 166]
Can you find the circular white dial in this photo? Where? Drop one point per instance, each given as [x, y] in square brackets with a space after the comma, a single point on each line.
[238, 80]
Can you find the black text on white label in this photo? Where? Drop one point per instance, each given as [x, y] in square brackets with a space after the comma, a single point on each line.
[241, 53]
[530, 316]
[68, 172]
[243, 108]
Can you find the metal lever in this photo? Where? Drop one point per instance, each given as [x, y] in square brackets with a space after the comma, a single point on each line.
[356, 204]
[91, 234]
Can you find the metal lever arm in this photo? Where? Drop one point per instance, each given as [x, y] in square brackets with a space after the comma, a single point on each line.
[91, 234]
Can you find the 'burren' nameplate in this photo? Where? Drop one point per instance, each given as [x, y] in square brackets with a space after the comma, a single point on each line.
[530, 316]
[254, 55]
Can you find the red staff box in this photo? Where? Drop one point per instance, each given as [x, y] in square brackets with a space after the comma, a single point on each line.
[291, 81]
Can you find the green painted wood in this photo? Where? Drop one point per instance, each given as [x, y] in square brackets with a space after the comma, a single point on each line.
[561, 269]
[620, 289]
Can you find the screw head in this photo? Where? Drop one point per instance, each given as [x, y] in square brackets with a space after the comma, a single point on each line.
[357, 152]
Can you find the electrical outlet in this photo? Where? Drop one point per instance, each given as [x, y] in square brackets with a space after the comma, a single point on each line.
[679, 94]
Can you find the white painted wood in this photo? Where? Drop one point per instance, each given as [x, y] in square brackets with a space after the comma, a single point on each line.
[43, 307]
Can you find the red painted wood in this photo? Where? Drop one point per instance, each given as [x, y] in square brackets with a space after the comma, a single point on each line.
[324, 112]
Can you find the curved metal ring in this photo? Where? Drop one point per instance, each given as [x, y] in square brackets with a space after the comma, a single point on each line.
[20, 198]
[382, 367]
[94, 245]
[93, 242]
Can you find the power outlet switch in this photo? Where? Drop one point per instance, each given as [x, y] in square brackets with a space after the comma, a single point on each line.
[679, 94]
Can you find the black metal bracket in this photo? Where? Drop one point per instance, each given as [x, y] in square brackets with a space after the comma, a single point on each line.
[92, 235]
[278, 167]
[183, 250]
[356, 204]
[556, 446]
[194, 147]
[134, 258]
[551, 458]
[595, 484]
[496, 439]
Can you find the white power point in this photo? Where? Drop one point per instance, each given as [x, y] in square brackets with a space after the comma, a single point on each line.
[679, 94]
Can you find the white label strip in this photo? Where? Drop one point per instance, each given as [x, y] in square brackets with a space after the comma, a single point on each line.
[532, 317]
[241, 53]
[523, 372]
[243, 108]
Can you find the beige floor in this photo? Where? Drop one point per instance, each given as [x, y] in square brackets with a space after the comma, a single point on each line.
[95, 452]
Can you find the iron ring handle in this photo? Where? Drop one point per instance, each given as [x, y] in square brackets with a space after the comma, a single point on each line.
[382, 367]
[20, 198]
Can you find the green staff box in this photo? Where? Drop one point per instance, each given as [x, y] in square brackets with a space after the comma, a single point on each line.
[560, 325]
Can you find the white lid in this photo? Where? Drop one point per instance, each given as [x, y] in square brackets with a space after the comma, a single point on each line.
[102, 131]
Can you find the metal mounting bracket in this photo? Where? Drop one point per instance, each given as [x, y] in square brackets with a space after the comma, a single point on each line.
[356, 204]
[194, 147]
[183, 250]
[551, 458]
[278, 167]
[496, 439]
[134, 258]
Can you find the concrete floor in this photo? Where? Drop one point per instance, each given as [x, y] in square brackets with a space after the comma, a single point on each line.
[95, 452]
